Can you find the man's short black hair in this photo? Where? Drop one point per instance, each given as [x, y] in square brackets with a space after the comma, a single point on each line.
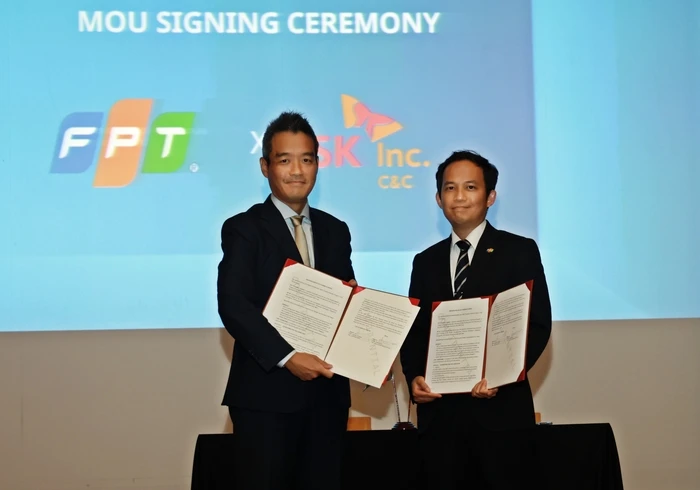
[489, 169]
[287, 121]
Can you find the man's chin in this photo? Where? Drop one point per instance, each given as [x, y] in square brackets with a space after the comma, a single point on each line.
[298, 190]
[461, 219]
[461, 222]
[297, 198]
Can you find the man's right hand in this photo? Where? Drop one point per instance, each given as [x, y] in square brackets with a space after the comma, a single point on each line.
[307, 366]
[421, 391]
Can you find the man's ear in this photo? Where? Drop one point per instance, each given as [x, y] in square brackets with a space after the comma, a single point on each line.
[438, 200]
[491, 199]
[263, 166]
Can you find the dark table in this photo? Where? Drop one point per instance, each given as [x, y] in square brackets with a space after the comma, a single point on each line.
[564, 457]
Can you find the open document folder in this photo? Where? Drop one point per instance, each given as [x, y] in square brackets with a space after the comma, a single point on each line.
[476, 338]
[358, 330]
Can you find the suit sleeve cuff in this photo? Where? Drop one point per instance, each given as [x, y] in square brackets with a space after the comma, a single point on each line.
[284, 361]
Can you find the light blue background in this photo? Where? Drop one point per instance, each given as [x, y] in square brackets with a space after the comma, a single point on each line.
[617, 103]
[589, 109]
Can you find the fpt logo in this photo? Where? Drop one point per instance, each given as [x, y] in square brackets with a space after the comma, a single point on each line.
[338, 150]
[117, 145]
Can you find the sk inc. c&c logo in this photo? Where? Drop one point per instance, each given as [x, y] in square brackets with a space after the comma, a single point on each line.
[397, 161]
[357, 115]
[118, 144]
[338, 150]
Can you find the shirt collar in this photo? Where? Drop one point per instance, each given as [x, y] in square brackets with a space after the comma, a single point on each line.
[473, 238]
[288, 212]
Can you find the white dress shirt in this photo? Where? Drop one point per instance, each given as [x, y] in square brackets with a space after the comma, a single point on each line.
[473, 239]
[287, 214]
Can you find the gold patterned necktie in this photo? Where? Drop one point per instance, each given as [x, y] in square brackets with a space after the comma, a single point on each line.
[300, 239]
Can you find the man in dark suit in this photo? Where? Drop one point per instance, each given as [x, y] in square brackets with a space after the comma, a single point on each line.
[461, 435]
[289, 411]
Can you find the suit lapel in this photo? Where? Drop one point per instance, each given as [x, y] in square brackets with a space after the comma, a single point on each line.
[320, 239]
[442, 263]
[274, 224]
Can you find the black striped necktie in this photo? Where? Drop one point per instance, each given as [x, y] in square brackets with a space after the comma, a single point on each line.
[462, 268]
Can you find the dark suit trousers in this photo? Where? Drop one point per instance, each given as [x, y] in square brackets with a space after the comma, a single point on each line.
[456, 453]
[289, 451]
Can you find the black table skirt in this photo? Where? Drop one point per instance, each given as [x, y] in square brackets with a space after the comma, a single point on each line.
[564, 457]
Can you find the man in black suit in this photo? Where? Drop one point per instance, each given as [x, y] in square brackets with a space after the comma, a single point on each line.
[289, 411]
[461, 436]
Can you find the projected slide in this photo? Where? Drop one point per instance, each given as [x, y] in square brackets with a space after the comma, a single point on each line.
[130, 135]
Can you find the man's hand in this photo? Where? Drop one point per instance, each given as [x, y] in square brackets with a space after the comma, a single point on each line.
[352, 282]
[421, 391]
[307, 366]
[480, 390]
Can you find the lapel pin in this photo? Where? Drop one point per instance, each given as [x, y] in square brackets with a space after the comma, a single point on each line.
[489, 250]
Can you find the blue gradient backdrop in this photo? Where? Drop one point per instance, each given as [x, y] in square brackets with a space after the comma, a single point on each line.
[591, 111]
